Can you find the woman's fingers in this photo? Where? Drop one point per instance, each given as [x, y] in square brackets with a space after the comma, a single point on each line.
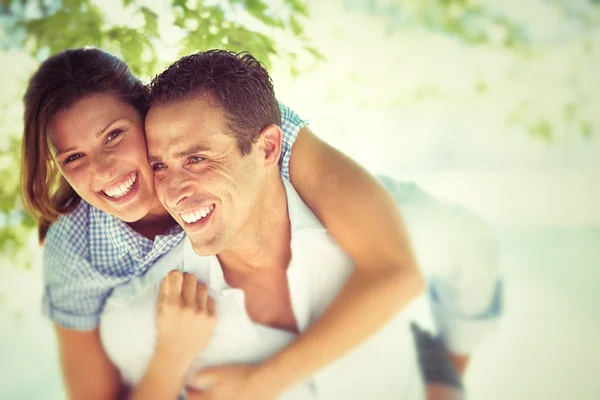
[188, 290]
[183, 323]
[170, 288]
[210, 306]
[201, 296]
[174, 286]
[164, 290]
[181, 289]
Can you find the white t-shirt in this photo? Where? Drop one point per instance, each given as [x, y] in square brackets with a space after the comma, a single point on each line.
[382, 367]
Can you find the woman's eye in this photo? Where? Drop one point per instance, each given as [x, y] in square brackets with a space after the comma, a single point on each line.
[72, 158]
[113, 135]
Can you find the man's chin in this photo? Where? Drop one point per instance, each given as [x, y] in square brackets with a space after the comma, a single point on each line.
[204, 248]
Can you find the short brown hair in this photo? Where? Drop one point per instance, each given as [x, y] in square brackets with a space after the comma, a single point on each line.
[58, 84]
[236, 81]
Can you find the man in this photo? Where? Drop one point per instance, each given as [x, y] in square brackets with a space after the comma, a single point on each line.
[226, 191]
[208, 163]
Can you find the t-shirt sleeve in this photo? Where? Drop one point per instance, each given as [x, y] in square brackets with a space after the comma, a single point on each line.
[74, 293]
[291, 123]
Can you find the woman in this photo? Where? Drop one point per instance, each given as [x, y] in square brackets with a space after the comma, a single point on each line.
[84, 115]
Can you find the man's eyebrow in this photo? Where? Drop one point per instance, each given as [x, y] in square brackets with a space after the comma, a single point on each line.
[181, 154]
[191, 150]
[152, 159]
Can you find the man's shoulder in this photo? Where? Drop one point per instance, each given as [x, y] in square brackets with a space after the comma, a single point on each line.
[301, 217]
[311, 243]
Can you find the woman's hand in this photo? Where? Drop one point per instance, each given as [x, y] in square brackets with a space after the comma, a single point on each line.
[185, 322]
[185, 318]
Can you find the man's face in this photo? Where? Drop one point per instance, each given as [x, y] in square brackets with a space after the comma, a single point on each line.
[200, 176]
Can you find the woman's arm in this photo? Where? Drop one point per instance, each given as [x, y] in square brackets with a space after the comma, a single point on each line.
[87, 371]
[354, 207]
[364, 219]
[185, 322]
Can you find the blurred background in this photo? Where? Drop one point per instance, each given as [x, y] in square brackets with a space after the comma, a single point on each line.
[493, 105]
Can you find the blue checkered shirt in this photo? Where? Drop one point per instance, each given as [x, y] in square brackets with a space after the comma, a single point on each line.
[88, 252]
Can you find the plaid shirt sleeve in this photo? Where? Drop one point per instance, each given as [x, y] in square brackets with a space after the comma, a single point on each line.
[72, 297]
[291, 124]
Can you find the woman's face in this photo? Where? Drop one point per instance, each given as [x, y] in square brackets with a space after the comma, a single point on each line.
[101, 151]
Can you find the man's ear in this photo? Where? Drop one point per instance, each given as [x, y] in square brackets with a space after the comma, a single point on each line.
[270, 144]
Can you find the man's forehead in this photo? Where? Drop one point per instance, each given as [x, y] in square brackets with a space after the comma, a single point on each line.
[201, 105]
[176, 127]
[192, 142]
[173, 146]
[184, 116]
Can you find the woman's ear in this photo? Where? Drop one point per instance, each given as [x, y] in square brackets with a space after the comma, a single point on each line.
[270, 144]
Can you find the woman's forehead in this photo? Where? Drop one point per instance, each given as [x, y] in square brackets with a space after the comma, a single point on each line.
[90, 116]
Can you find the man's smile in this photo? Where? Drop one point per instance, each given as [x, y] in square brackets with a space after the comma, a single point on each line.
[190, 217]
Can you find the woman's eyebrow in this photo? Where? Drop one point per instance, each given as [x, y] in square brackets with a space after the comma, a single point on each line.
[61, 152]
[101, 131]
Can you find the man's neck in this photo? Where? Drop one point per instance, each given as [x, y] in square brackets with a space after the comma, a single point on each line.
[264, 244]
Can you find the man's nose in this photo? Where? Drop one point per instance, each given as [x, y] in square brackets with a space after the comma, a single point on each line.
[177, 190]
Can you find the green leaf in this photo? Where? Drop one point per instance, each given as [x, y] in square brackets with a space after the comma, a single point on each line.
[481, 87]
[315, 53]
[259, 10]
[151, 22]
[297, 28]
[541, 128]
[586, 129]
[298, 7]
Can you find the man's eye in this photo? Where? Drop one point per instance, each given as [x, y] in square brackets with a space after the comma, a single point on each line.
[195, 159]
[157, 166]
[113, 135]
[72, 158]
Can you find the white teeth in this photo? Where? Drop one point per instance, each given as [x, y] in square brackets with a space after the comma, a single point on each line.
[196, 215]
[123, 188]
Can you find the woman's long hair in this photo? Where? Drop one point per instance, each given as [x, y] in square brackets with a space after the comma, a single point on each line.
[60, 82]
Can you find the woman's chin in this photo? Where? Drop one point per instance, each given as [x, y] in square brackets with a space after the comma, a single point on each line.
[131, 212]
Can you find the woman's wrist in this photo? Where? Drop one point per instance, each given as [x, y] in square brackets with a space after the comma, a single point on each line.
[176, 364]
[276, 374]
[267, 377]
[162, 380]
